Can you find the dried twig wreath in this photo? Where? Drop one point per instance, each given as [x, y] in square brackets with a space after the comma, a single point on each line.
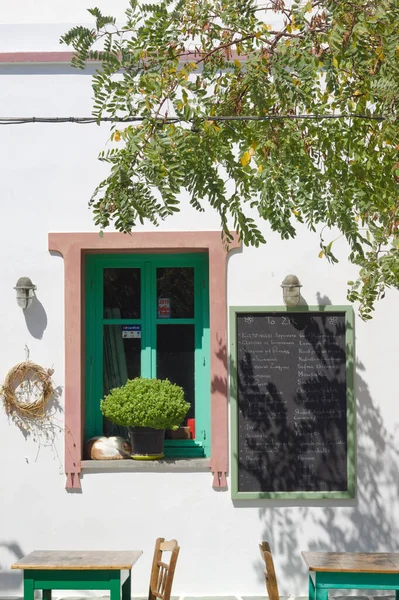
[35, 375]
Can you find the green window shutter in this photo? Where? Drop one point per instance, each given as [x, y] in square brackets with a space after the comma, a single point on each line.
[95, 322]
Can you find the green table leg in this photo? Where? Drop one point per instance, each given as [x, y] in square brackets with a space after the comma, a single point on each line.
[46, 595]
[321, 591]
[321, 594]
[29, 588]
[115, 587]
[127, 590]
[311, 588]
[396, 594]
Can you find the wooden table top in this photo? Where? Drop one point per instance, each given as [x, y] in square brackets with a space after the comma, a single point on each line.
[79, 560]
[353, 562]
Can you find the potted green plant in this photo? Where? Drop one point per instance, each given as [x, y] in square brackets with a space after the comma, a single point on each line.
[147, 407]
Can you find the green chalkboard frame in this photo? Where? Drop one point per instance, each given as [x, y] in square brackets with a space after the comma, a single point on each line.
[350, 353]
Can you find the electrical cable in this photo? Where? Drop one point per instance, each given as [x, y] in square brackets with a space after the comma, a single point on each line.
[169, 120]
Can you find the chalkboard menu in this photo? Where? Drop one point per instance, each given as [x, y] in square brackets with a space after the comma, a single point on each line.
[292, 402]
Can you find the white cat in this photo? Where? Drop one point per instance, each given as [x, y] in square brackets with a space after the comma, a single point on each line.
[108, 448]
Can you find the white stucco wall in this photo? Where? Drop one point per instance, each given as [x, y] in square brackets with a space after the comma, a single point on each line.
[47, 174]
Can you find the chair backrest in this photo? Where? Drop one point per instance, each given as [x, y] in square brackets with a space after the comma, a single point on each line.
[270, 574]
[162, 572]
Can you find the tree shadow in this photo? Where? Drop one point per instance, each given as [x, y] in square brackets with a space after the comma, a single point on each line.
[365, 523]
[219, 384]
[11, 580]
[322, 300]
[362, 525]
[292, 403]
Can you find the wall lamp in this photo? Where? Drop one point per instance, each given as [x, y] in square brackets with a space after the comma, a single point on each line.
[25, 289]
[291, 290]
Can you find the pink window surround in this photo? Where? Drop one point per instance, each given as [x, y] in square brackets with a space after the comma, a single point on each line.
[35, 57]
[73, 247]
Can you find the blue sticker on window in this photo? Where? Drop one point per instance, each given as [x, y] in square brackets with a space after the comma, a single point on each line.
[131, 331]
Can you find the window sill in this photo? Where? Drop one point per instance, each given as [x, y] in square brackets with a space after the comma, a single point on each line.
[185, 465]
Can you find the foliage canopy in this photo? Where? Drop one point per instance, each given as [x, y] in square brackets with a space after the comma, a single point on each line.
[179, 68]
[141, 402]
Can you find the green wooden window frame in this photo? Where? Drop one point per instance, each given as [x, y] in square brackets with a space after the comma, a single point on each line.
[148, 263]
[349, 342]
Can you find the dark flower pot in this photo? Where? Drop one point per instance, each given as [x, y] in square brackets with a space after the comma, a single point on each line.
[147, 443]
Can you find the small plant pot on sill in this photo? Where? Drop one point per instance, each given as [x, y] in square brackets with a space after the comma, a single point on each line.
[147, 443]
[147, 407]
[181, 433]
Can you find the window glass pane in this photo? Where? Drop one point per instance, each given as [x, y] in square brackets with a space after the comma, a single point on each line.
[175, 293]
[121, 293]
[175, 358]
[122, 354]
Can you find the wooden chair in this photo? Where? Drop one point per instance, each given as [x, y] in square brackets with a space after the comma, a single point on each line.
[162, 573]
[270, 574]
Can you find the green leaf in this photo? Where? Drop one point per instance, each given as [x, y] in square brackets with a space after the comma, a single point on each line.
[326, 59]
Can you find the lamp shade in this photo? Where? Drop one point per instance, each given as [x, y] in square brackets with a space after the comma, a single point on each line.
[25, 289]
[291, 290]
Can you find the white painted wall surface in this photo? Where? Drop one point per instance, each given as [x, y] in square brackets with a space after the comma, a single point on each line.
[56, 11]
[47, 173]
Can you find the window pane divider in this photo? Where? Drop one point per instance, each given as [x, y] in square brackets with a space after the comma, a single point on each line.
[121, 321]
[176, 321]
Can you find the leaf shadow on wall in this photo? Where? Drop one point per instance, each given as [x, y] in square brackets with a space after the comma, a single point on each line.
[360, 525]
[292, 426]
[364, 524]
[11, 580]
[219, 384]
